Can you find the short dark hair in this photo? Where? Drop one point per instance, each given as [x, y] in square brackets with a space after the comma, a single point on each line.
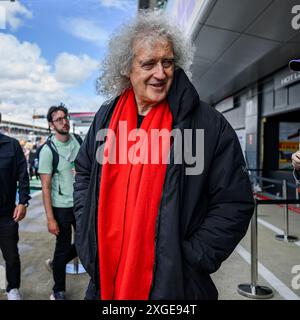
[52, 109]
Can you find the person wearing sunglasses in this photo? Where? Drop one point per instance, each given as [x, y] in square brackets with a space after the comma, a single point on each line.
[56, 168]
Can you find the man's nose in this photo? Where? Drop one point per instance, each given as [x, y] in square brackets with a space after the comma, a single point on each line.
[160, 71]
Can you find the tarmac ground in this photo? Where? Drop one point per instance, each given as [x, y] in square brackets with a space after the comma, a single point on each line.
[278, 261]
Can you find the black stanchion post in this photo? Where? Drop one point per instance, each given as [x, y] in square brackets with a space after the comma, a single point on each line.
[285, 236]
[253, 290]
[254, 248]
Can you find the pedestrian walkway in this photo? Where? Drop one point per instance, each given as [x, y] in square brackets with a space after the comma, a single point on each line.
[276, 259]
[35, 184]
[36, 245]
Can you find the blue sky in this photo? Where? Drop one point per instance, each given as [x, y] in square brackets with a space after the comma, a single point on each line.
[50, 52]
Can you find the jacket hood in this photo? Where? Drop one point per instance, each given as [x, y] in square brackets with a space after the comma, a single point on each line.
[182, 97]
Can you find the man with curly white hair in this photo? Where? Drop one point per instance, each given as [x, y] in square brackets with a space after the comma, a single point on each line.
[149, 228]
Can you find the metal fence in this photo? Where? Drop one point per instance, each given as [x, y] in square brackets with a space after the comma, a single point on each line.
[254, 290]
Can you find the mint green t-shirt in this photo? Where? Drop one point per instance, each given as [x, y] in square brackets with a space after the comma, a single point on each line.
[64, 179]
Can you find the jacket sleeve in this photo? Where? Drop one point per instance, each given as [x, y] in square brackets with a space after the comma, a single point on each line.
[230, 206]
[22, 176]
[83, 166]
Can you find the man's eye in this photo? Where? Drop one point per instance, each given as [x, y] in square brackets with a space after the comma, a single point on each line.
[167, 63]
[148, 65]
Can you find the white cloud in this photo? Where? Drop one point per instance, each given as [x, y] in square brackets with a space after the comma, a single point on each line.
[81, 103]
[85, 30]
[73, 69]
[28, 83]
[15, 13]
[118, 4]
[23, 69]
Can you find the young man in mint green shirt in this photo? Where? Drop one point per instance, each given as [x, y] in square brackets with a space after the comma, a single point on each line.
[57, 186]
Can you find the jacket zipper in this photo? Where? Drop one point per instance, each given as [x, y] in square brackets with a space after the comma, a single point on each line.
[157, 223]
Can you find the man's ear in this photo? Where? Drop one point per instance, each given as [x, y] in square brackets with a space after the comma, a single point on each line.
[125, 74]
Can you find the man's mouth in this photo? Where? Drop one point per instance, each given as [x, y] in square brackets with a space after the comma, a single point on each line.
[158, 85]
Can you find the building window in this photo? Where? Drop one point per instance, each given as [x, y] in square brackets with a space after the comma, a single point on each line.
[280, 98]
[294, 94]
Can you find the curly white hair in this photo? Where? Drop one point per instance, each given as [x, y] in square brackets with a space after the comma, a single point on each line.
[149, 27]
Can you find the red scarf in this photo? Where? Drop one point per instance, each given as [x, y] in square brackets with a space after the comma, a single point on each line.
[129, 200]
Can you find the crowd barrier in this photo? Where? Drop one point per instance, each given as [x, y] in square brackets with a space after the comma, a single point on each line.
[254, 290]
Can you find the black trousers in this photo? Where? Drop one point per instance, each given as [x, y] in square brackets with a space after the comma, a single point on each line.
[64, 249]
[92, 292]
[9, 237]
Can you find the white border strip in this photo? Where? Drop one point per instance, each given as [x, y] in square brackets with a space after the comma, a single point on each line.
[270, 226]
[266, 274]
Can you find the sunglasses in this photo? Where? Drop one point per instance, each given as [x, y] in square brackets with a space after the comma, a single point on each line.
[61, 119]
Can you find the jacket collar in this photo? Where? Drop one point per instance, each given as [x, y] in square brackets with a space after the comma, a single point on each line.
[182, 97]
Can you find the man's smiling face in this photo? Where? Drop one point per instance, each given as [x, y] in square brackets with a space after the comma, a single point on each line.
[152, 71]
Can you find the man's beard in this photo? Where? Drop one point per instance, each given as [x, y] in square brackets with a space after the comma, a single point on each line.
[64, 133]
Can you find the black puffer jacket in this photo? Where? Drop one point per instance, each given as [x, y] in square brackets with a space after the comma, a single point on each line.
[13, 170]
[201, 217]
